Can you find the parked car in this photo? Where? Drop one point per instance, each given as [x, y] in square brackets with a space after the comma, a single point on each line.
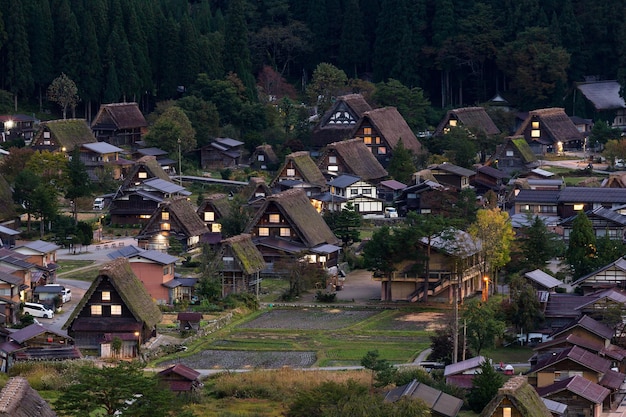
[38, 310]
[390, 212]
[98, 203]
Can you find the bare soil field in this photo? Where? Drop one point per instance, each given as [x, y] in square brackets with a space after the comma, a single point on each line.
[428, 321]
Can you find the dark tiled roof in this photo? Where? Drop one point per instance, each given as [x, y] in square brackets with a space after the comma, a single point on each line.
[537, 196]
[612, 380]
[28, 332]
[579, 355]
[591, 325]
[619, 264]
[579, 386]
[604, 95]
[460, 367]
[592, 195]
[493, 172]
[182, 370]
[563, 305]
[453, 169]
[189, 316]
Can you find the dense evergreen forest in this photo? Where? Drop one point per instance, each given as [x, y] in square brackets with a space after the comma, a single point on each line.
[459, 52]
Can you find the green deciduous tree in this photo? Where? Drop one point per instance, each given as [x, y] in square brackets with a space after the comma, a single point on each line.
[327, 83]
[173, 125]
[484, 323]
[78, 182]
[581, 252]
[538, 245]
[410, 102]
[523, 309]
[485, 385]
[601, 133]
[383, 372]
[64, 92]
[614, 149]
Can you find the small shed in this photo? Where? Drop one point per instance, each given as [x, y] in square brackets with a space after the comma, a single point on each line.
[440, 403]
[542, 281]
[189, 321]
[180, 378]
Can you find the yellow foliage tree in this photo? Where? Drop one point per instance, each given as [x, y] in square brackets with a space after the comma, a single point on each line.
[494, 231]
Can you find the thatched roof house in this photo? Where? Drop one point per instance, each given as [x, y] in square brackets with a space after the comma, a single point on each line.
[241, 264]
[176, 218]
[264, 158]
[287, 224]
[18, 399]
[300, 170]
[550, 130]
[119, 123]
[337, 123]
[382, 129]
[62, 135]
[471, 118]
[256, 189]
[351, 157]
[116, 303]
[516, 394]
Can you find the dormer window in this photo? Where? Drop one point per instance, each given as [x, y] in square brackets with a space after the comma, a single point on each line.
[260, 157]
[106, 295]
[332, 159]
[274, 218]
[46, 135]
[165, 215]
[452, 122]
[535, 131]
[209, 216]
[367, 130]
[291, 172]
[142, 175]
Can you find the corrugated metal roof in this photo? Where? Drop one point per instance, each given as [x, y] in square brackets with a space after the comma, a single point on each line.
[604, 95]
[542, 278]
[102, 147]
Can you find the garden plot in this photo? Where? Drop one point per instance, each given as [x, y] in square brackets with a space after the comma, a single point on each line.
[240, 359]
[308, 319]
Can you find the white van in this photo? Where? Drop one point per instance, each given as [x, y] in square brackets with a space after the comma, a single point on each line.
[38, 310]
[98, 203]
[391, 212]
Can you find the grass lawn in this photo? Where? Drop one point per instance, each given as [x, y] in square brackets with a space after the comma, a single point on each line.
[87, 274]
[511, 354]
[66, 266]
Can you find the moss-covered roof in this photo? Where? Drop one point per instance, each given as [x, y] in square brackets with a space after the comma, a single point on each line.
[248, 256]
[523, 148]
[522, 396]
[129, 287]
[70, 132]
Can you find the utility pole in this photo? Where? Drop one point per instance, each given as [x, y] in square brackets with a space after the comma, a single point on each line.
[180, 170]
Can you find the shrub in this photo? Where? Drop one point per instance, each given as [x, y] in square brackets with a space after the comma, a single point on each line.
[325, 296]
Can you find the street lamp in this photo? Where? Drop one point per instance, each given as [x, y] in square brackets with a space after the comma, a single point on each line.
[486, 288]
[180, 170]
[138, 342]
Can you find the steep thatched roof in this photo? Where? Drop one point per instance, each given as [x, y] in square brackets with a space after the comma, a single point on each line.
[122, 115]
[7, 209]
[266, 150]
[357, 157]
[521, 395]
[392, 127]
[218, 201]
[132, 291]
[295, 206]
[248, 256]
[554, 124]
[18, 399]
[330, 129]
[69, 133]
[305, 167]
[255, 184]
[183, 219]
[470, 118]
[151, 166]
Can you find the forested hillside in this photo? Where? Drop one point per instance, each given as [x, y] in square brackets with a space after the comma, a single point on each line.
[458, 51]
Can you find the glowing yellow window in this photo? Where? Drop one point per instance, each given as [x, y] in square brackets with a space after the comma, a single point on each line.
[367, 130]
[534, 125]
[452, 122]
[165, 215]
[264, 231]
[578, 207]
[291, 172]
[506, 412]
[116, 310]
[535, 133]
[285, 232]
[216, 228]
[274, 218]
[165, 226]
[96, 310]
[377, 140]
[106, 296]
[142, 175]
[367, 140]
[209, 216]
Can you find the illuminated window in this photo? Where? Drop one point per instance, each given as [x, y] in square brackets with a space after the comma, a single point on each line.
[382, 150]
[291, 172]
[367, 140]
[96, 310]
[506, 412]
[367, 130]
[165, 226]
[509, 153]
[144, 216]
[377, 140]
[578, 207]
[452, 122]
[274, 218]
[46, 135]
[285, 232]
[332, 159]
[116, 310]
[106, 296]
[209, 216]
[535, 125]
[535, 133]
[216, 228]
[264, 231]
[46, 142]
[165, 215]
[260, 157]
[333, 168]
[142, 175]
[526, 207]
